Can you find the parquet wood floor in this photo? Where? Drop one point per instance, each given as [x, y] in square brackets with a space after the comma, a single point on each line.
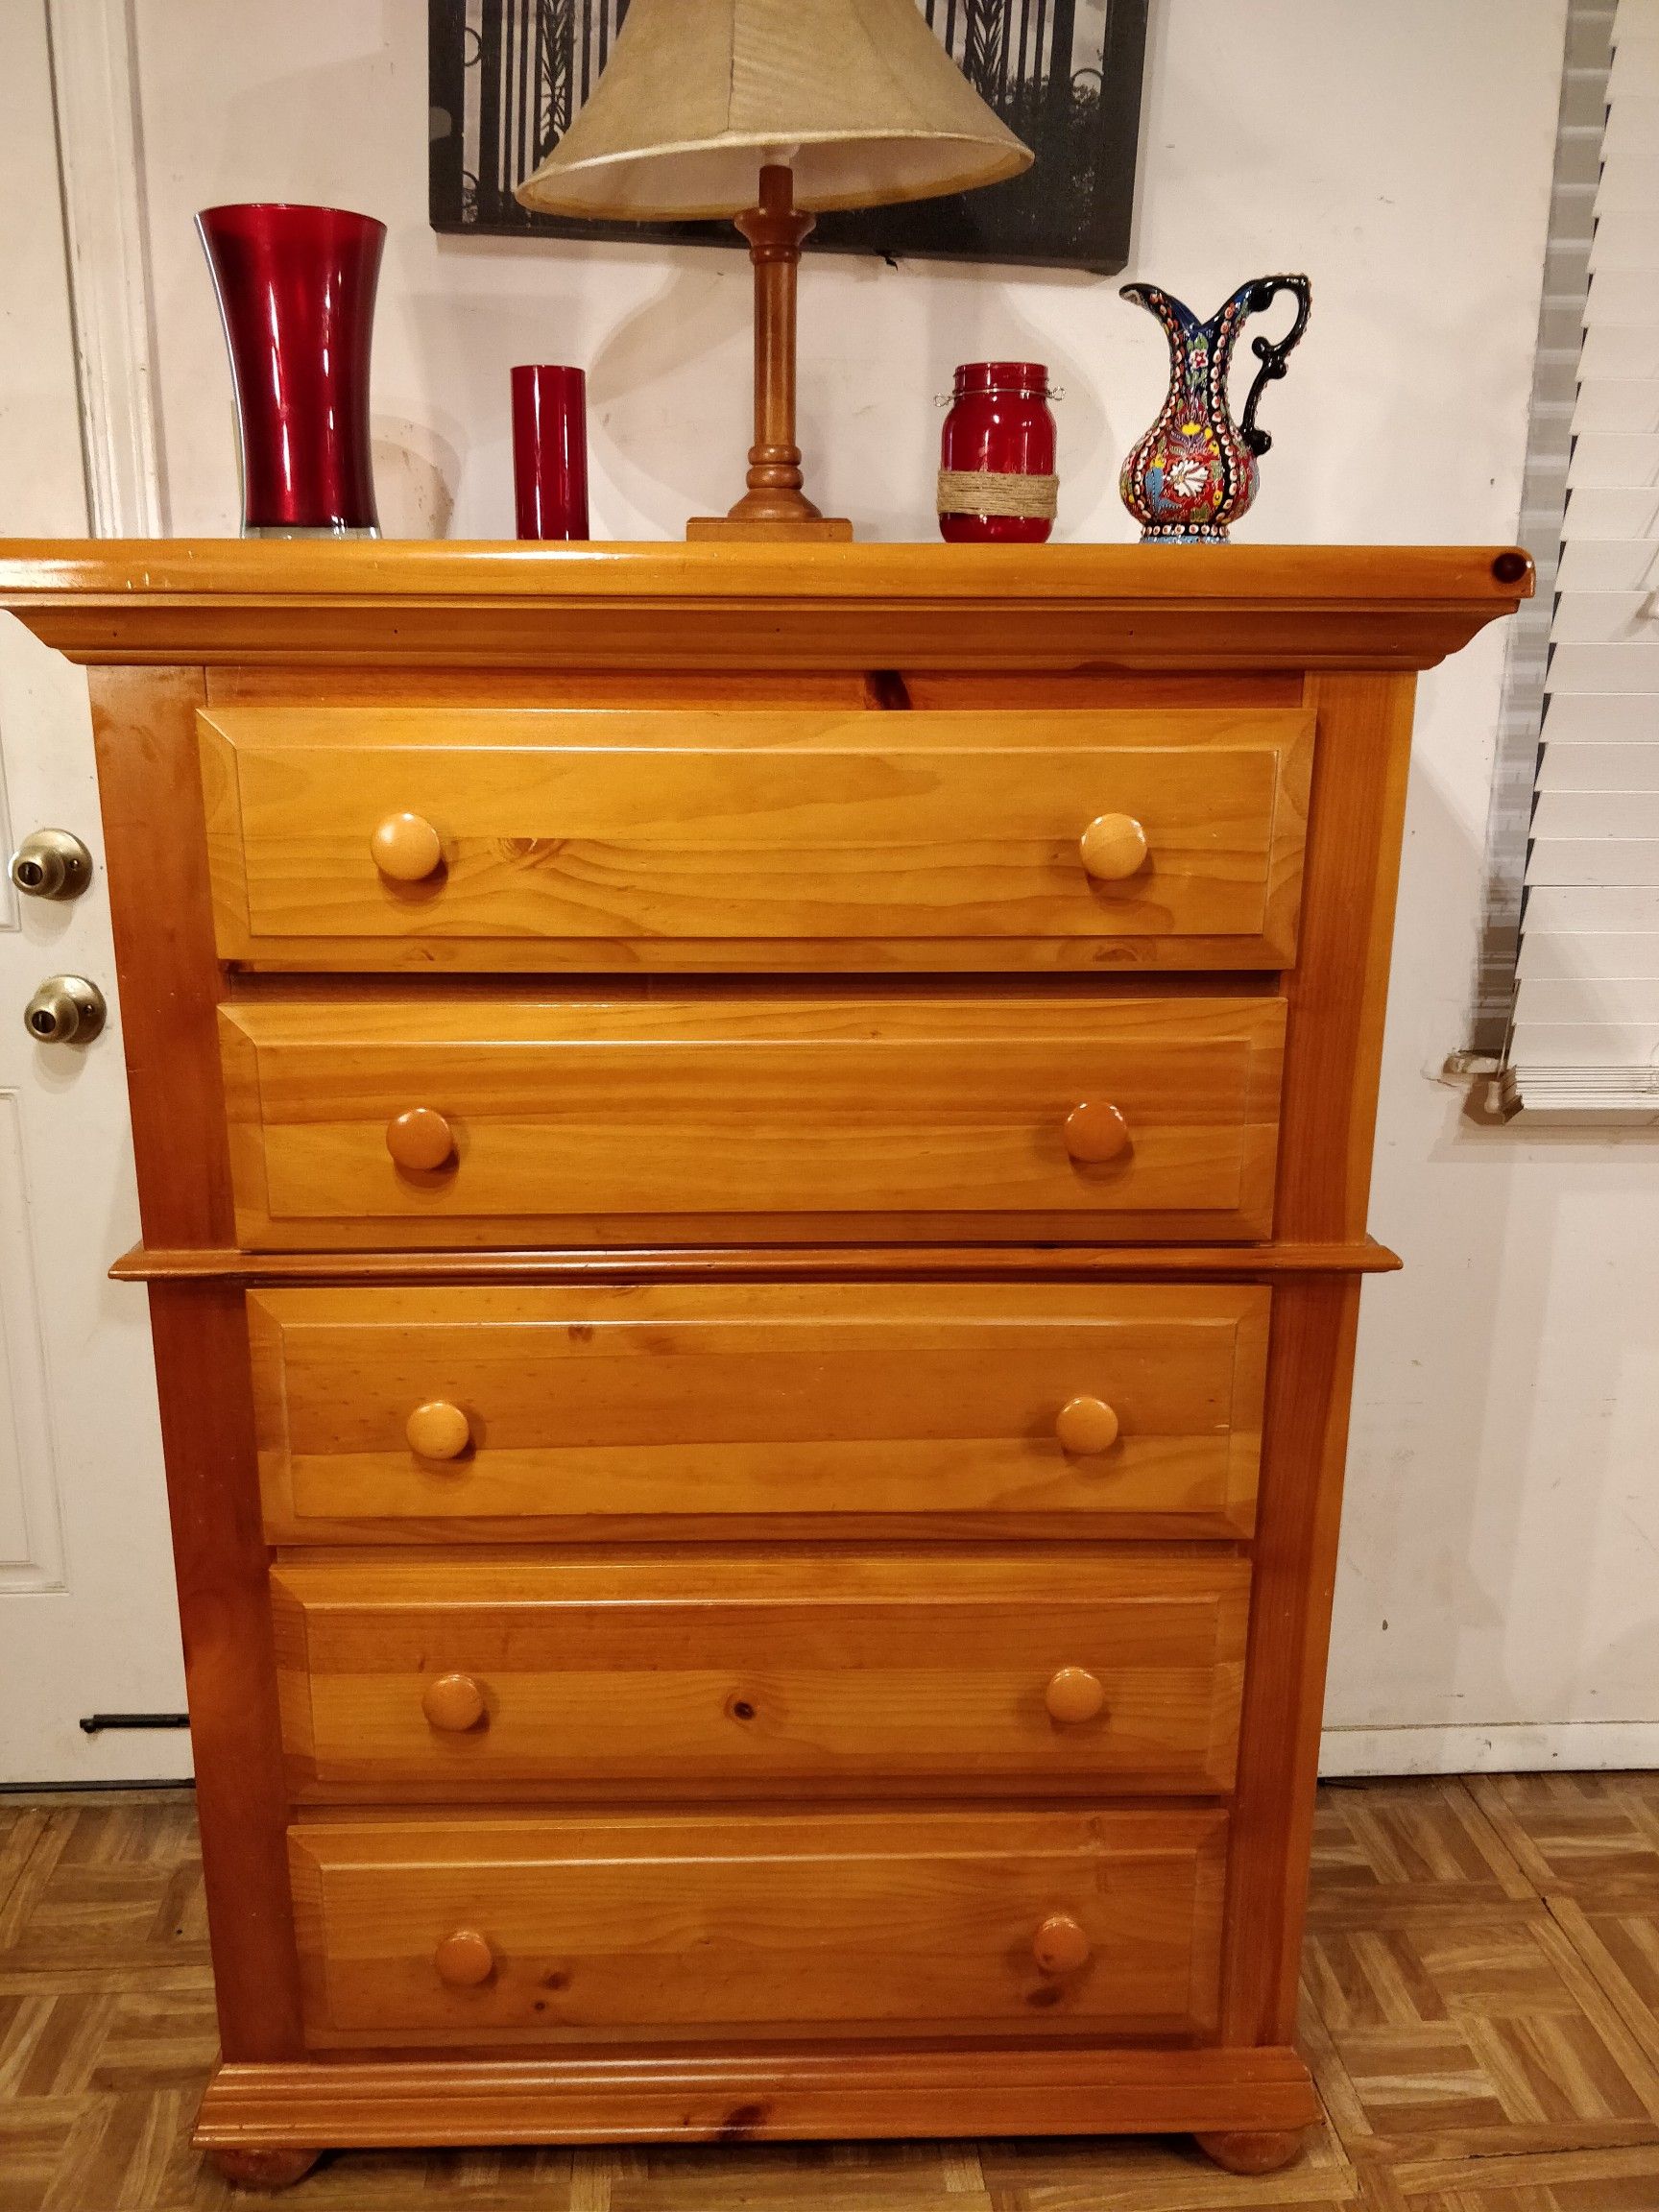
[1481, 2008]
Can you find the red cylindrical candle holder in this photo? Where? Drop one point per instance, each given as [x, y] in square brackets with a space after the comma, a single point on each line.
[550, 451]
[295, 290]
[996, 477]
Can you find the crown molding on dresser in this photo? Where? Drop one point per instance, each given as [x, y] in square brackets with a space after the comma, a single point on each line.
[217, 602]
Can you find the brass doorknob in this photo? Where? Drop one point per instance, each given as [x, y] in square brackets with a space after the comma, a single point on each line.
[438, 1431]
[1096, 1132]
[453, 1703]
[1073, 1695]
[464, 1959]
[52, 864]
[406, 848]
[65, 1010]
[1060, 1946]
[1112, 846]
[420, 1140]
[1086, 1424]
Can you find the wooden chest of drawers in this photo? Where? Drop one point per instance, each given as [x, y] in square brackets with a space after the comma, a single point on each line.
[753, 1169]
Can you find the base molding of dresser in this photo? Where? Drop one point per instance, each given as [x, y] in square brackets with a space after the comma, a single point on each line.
[385, 2103]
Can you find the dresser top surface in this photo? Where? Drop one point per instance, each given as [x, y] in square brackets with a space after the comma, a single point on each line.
[209, 601]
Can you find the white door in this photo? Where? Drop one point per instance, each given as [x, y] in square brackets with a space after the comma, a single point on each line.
[88, 1625]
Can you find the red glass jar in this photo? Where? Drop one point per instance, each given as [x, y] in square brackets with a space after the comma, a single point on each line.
[550, 451]
[996, 479]
[295, 290]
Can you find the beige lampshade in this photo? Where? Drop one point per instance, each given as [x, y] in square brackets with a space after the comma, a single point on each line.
[856, 96]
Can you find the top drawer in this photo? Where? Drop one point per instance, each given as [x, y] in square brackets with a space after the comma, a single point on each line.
[434, 837]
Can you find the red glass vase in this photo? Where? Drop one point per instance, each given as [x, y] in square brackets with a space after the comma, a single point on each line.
[295, 290]
[996, 477]
[550, 451]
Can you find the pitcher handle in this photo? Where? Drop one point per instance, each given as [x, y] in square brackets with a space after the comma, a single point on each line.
[1271, 353]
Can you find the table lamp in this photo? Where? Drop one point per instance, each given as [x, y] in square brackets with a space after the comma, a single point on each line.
[772, 111]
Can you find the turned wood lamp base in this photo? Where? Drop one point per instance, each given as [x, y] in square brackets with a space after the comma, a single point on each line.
[798, 530]
[774, 507]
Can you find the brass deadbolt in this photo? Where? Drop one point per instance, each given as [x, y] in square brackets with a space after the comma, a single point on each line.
[52, 864]
[65, 1010]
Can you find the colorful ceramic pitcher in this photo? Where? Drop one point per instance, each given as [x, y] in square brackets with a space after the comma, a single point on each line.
[1195, 470]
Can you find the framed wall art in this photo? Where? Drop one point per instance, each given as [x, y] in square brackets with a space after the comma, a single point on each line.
[508, 76]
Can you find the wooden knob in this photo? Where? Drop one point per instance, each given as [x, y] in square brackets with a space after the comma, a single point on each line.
[1095, 1131]
[464, 1959]
[438, 1431]
[1112, 846]
[1072, 1694]
[1082, 1424]
[420, 1138]
[1060, 1946]
[407, 847]
[455, 1703]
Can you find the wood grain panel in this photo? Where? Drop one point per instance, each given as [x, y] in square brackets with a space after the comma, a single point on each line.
[756, 1112]
[161, 911]
[722, 1403]
[221, 1563]
[744, 1674]
[873, 1924]
[1337, 995]
[1310, 1375]
[710, 836]
[144, 731]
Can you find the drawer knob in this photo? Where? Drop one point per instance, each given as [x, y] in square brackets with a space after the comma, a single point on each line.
[455, 1703]
[1084, 1425]
[1096, 1132]
[1060, 1946]
[406, 848]
[1112, 846]
[420, 1138]
[438, 1431]
[465, 1960]
[1074, 1695]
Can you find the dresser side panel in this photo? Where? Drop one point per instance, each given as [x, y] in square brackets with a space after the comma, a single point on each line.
[154, 834]
[144, 724]
[1310, 1363]
[1336, 994]
[222, 1564]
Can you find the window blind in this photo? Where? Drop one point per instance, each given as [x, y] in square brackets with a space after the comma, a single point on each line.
[1585, 1031]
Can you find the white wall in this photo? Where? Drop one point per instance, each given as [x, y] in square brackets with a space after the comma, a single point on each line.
[1504, 1513]
[41, 478]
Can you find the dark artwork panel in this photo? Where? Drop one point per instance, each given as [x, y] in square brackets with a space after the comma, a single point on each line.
[508, 76]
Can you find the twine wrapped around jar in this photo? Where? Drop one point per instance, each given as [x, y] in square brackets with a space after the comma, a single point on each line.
[997, 491]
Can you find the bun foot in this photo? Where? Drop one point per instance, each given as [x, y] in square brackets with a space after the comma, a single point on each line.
[1240, 2152]
[264, 2168]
